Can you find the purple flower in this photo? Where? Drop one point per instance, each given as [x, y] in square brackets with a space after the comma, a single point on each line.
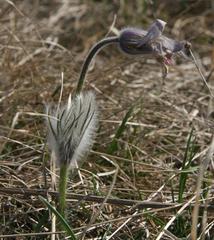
[154, 32]
[129, 41]
[134, 41]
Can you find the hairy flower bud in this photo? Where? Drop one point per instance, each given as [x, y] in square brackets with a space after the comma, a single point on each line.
[72, 129]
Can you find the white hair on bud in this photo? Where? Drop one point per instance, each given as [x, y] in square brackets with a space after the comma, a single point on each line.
[72, 129]
[162, 23]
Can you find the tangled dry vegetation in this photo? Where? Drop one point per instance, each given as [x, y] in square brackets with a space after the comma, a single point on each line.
[40, 40]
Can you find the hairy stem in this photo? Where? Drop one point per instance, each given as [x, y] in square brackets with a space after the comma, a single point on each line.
[62, 189]
[94, 50]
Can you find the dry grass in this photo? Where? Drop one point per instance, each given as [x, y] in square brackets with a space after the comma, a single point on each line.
[39, 41]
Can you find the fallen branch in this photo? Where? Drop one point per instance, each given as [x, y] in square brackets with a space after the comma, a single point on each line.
[99, 199]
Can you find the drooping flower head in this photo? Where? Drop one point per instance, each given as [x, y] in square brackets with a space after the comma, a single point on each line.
[134, 41]
[72, 129]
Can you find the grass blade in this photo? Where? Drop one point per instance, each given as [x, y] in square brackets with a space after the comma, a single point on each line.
[61, 219]
[113, 145]
[189, 154]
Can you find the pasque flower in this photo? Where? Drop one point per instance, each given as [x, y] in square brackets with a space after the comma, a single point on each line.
[72, 129]
[135, 41]
[71, 133]
[154, 31]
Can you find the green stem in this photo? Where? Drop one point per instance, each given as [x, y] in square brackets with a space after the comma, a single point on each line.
[62, 189]
[98, 46]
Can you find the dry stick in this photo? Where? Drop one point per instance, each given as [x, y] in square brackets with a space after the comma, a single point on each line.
[19, 235]
[61, 93]
[204, 220]
[15, 120]
[112, 25]
[121, 226]
[196, 207]
[201, 74]
[206, 230]
[97, 199]
[172, 236]
[53, 186]
[11, 3]
[53, 165]
[203, 168]
[174, 217]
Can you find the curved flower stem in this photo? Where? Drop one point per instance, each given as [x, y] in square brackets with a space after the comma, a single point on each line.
[62, 188]
[98, 46]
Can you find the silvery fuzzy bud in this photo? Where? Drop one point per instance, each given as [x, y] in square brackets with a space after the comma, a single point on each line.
[72, 129]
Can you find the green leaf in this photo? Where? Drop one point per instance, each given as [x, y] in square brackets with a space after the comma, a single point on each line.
[186, 165]
[113, 146]
[61, 219]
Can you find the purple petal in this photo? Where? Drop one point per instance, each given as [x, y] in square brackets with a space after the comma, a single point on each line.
[154, 31]
[129, 40]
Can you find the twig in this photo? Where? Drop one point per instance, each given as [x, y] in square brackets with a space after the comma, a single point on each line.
[174, 217]
[201, 74]
[202, 170]
[28, 234]
[98, 199]
[53, 186]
